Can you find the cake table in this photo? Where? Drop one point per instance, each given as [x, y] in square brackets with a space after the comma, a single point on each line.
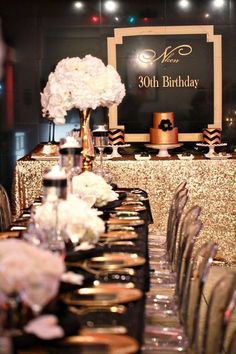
[163, 149]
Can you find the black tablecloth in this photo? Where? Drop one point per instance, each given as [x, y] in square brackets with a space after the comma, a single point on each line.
[133, 318]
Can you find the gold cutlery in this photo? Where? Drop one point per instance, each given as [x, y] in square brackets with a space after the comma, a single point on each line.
[117, 213]
[121, 271]
[132, 203]
[128, 285]
[130, 208]
[120, 243]
[125, 221]
[111, 329]
[119, 235]
[109, 262]
[119, 228]
[119, 309]
[116, 242]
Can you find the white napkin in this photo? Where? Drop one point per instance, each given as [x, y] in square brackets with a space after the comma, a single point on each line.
[45, 327]
[84, 246]
[73, 278]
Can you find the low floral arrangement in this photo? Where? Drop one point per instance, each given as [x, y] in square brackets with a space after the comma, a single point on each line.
[88, 183]
[80, 83]
[73, 217]
[23, 267]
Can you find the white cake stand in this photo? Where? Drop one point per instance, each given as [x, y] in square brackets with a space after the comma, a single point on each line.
[115, 148]
[163, 149]
[211, 147]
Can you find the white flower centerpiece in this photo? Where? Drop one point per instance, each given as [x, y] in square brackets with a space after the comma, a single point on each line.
[75, 219]
[89, 184]
[84, 84]
[27, 271]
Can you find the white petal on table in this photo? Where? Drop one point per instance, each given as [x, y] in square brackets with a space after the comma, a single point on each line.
[45, 327]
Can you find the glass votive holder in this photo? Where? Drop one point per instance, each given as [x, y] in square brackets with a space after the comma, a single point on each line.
[70, 157]
[54, 185]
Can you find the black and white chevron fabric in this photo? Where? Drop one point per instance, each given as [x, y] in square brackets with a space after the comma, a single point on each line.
[211, 136]
[116, 136]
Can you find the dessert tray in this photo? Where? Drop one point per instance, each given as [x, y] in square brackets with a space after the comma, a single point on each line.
[217, 157]
[139, 157]
[183, 157]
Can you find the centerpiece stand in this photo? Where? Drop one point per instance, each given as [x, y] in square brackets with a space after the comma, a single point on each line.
[163, 149]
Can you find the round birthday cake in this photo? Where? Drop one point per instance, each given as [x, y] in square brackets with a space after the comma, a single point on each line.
[163, 131]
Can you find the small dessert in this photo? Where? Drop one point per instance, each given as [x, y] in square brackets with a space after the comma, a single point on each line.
[144, 154]
[224, 153]
[186, 153]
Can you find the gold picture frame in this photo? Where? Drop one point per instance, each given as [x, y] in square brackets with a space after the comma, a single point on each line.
[120, 33]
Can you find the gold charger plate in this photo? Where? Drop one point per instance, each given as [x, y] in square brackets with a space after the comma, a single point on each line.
[119, 235]
[45, 157]
[102, 296]
[115, 261]
[131, 207]
[9, 234]
[115, 343]
[122, 221]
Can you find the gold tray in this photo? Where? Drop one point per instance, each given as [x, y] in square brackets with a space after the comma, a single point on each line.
[119, 235]
[122, 221]
[115, 343]
[102, 296]
[113, 261]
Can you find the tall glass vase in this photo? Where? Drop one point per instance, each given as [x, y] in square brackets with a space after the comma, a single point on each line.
[87, 139]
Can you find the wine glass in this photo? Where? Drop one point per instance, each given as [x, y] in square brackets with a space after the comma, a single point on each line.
[100, 140]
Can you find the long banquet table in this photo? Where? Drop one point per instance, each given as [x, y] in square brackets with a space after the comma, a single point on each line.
[132, 319]
[212, 185]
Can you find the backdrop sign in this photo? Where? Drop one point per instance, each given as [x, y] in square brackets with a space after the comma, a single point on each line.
[167, 69]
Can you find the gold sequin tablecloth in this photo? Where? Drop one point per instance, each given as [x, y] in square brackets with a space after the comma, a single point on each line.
[211, 183]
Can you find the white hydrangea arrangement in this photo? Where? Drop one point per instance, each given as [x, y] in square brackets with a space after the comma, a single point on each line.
[88, 183]
[23, 266]
[74, 218]
[80, 83]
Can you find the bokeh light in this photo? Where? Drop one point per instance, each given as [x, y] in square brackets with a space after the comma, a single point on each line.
[132, 20]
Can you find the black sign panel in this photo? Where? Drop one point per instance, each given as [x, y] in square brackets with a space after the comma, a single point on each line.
[166, 73]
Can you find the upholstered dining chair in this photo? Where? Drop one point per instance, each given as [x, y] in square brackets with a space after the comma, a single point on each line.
[5, 210]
